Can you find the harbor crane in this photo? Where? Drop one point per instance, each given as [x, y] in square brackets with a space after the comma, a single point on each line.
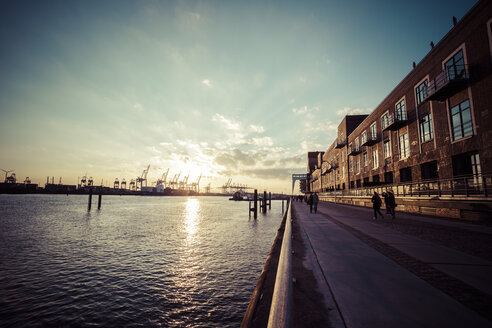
[116, 184]
[226, 186]
[195, 186]
[132, 184]
[27, 181]
[183, 183]
[162, 180]
[208, 188]
[11, 177]
[174, 182]
[143, 178]
[123, 184]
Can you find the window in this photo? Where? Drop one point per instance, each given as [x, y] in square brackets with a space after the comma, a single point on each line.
[429, 170]
[404, 146]
[375, 178]
[374, 132]
[455, 67]
[461, 120]
[401, 113]
[466, 164]
[366, 159]
[351, 164]
[388, 177]
[375, 160]
[421, 92]
[366, 181]
[358, 183]
[357, 144]
[363, 138]
[384, 121]
[343, 155]
[357, 165]
[406, 174]
[387, 149]
[341, 138]
[426, 133]
[343, 172]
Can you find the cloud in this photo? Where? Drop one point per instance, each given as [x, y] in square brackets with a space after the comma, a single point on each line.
[299, 111]
[353, 111]
[262, 142]
[257, 128]
[234, 159]
[229, 124]
[138, 107]
[207, 83]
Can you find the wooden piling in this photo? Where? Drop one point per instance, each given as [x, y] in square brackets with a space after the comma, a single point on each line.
[90, 200]
[264, 204]
[255, 201]
[282, 206]
[100, 199]
[269, 200]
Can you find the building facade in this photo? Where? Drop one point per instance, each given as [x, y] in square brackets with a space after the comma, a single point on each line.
[434, 126]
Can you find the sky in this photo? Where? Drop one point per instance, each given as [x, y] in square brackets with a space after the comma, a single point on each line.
[225, 89]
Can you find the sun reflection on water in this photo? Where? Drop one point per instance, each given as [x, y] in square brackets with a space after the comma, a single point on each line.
[192, 217]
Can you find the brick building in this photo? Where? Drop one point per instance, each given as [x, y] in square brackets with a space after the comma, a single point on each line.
[434, 127]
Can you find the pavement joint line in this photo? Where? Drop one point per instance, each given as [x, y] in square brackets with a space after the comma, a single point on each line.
[322, 272]
[465, 294]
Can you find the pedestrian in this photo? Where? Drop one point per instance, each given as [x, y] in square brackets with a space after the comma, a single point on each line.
[315, 202]
[386, 201]
[310, 203]
[391, 203]
[376, 205]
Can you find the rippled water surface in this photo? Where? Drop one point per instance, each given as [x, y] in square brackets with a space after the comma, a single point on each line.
[139, 261]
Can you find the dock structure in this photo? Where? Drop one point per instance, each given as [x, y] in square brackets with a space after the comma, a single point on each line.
[412, 271]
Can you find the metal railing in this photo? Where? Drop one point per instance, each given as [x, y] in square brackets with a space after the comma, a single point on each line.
[452, 73]
[461, 186]
[281, 310]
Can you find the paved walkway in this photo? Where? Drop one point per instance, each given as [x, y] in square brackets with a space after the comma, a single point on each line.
[369, 289]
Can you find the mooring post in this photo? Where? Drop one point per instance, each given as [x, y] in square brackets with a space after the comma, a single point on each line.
[269, 200]
[282, 206]
[90, 200]
[264, 201]
[100, 199]
[255, 200]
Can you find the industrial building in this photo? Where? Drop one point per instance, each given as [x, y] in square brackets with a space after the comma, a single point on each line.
[431, 135]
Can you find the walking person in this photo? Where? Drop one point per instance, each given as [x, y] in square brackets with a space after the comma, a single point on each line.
[376, 205]
[310, 203]
[391, 204]
[386, 202]
[315, 202]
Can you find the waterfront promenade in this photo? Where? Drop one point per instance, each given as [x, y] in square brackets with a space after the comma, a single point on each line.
[415, 271]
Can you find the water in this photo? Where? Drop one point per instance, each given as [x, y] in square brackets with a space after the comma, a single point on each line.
[139, 261]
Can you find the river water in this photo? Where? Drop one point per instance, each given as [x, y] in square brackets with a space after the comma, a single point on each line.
[139, 261]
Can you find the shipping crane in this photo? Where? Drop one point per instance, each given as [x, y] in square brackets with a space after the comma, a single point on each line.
[132, 184]
[123, 184]
[141, 179]
[226, 186]
[184, 182]
[7, 172]
[116, 184]
[174, 182]
[162, 181]
[195, 186]
[27, 181]
[208, 188]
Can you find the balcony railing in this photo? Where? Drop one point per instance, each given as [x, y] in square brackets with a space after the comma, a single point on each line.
[339, 144]
[352, 150]
[396, 121]
[371, 139]
[450, 81]
[479, 186]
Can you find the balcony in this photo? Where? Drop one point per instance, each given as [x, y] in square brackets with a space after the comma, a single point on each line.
[339, 144]
[352, 151]
[396, 121]
[448, 83]
[370, 139]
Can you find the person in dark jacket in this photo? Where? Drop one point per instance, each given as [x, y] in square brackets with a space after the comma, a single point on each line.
[386, 200]
[315, 202]
[310, 203]
[391, 204]
[376, 205]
